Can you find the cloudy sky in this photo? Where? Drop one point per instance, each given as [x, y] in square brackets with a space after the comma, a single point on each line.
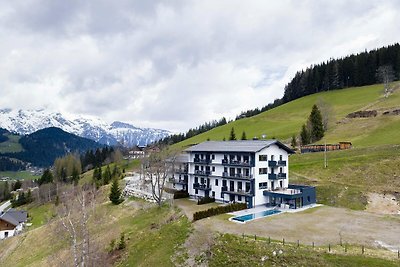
[174, 64]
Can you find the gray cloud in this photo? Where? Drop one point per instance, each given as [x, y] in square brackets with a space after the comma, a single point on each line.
[174, 64]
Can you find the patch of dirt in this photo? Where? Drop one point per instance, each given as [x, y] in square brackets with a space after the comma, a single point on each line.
[363, 114]
[383, 203]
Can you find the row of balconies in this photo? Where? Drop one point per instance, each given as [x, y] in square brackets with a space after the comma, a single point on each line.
[237, 175]
[274, 163]
[236, 162]
[271, 176]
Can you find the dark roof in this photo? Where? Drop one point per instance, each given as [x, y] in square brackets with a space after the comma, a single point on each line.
[237, 146]
[14, 217]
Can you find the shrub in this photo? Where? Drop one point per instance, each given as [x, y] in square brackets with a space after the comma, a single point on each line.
[205, 200]
[218, 210]
[180, 194]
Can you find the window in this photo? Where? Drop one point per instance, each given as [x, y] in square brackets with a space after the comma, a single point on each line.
[196, 180]
[213, 194]
[240, 186]
[262, 157]
[280, 170]
[272, 157]
[202, 180]
[308, 199]
[213, 168]
[216, 182]
[196, 191]
[263, 185]
[223, 182]
[280, 157]
[263, 170]
[5, 234]
[212, 156]
[239, 198]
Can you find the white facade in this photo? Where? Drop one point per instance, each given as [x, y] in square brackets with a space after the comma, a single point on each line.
[215, 169]
[9, 233]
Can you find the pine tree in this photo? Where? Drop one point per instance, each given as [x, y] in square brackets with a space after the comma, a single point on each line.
[46, 178]
[75, 176]
[232, 135]
[244, 136]
[121, 243]
[317, 127]
[304, 135]
[293, 142]
[115, 193]
[107, 175]
[6, 191]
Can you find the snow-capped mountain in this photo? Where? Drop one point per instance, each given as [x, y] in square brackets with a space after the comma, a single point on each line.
[29, 121]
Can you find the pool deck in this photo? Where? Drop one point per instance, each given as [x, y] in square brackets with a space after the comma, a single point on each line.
[263, 208]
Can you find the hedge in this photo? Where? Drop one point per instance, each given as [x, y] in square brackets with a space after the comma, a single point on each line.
[205, 200]
[181, 194]
[219, 210]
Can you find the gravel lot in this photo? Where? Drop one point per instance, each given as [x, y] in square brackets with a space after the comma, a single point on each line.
[322, 225]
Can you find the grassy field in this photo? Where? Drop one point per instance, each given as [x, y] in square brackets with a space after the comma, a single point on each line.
[231, 250]
[11, 145]
[284, 121]
[21, 175]
[350, 174]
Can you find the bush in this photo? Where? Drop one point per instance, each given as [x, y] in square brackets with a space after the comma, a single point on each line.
[218, 210]
[205, 200]
[180, 194]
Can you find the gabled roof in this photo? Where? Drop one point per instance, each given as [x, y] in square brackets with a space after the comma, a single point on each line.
[237, 146]
[14, 217]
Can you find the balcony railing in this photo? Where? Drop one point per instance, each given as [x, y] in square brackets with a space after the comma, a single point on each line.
[202, 161]
[281, 175]
[204, 187]
[205, 173]
[181, 171]
[236, 162]
[177, 181]
[282, 163]
[236, 176]
[241, 192]
[272, 163]
[272, 176]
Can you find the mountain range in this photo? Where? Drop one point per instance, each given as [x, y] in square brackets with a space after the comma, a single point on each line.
[28, 121]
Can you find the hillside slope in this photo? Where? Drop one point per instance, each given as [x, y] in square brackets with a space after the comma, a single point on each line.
[284, 121]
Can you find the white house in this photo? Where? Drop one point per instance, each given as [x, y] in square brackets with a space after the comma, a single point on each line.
[252, 171]
[12, 222]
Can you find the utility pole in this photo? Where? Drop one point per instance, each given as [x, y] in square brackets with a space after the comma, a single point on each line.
[325, 159]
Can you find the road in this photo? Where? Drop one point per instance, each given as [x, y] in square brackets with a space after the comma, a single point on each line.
[5, 206]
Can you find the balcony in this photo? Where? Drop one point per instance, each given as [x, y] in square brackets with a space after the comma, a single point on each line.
[238, 192]
[236, 163]
[272, 176]
[202, 173]
[177, 181]
[281, 175]
[181, 171]
[201, 161]
[201, 187]
[239, 176]
[272, 163]
[282, 163]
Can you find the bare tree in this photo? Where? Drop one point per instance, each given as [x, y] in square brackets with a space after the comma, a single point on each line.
[74, 213]
[157, 168]
[386, 75]
[327, 112]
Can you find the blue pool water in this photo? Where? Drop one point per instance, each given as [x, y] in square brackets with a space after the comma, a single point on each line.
[252, 216]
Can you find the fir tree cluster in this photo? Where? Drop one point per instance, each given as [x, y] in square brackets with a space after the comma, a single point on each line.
[314, 129]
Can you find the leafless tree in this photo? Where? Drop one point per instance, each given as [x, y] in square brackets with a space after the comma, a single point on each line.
[157, 168]
[327, 112]
[74, 213]
[386, 75]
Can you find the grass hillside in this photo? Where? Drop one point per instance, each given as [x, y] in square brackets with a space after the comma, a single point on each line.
[372, 164]
[286, 120]
[11, 145]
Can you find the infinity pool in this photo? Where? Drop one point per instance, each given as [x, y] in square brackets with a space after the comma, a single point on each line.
[252, 216]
